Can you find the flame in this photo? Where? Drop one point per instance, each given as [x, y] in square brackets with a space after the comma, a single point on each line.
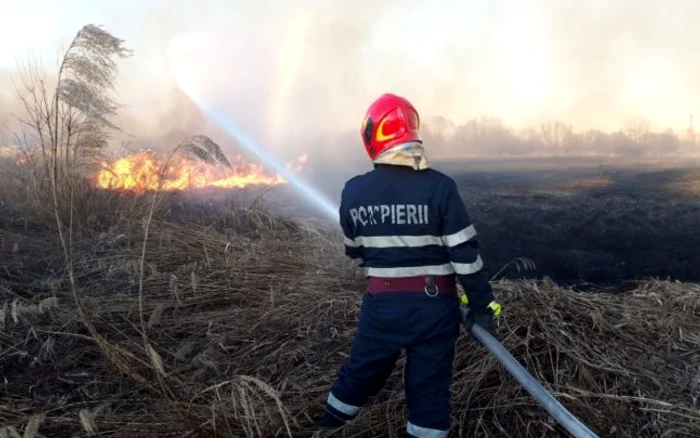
[140, 172]
[13, 153]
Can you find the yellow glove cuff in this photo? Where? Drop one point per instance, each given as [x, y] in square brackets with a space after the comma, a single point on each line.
[494, 306]
[463, 300]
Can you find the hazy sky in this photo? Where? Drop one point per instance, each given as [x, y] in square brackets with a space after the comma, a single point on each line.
[287, 69]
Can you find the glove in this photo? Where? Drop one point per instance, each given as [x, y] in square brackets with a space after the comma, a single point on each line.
[483, 317]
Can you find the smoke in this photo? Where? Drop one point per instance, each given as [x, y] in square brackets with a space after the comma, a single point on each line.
[5, 102]
[5, 130]
[298, 76]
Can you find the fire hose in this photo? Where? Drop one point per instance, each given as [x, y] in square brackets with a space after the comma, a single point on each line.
[572, 424]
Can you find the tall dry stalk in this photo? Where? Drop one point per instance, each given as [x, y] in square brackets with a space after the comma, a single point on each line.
[206, 150]
[69, 124]
[85, 75]
[520, 264]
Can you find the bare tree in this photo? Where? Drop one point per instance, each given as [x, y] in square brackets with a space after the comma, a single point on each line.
[467, 133]
[663, 143]
[638, 130]
[68, 125]
[594, 140]
[489, 136]
[555, 134]
[438, 129]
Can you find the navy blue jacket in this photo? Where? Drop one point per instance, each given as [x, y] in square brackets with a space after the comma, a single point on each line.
[403, 223]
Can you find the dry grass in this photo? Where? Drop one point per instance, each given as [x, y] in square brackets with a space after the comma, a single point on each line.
[249, 318]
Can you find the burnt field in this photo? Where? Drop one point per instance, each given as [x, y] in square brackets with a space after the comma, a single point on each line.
[588, 225]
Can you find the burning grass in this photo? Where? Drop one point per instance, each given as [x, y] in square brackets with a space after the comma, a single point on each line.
[247, 323]
[141, 171]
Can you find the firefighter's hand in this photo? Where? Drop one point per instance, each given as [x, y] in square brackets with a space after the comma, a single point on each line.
[482, 318]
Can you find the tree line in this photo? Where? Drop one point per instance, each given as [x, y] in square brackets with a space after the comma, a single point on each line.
[489, 136]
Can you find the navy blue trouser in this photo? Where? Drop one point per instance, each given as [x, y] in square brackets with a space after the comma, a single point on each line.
[427, 327]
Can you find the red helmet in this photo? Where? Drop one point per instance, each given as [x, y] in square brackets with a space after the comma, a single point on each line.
[390, 120]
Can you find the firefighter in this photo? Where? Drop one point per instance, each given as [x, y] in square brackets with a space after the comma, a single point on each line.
[409, 227]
